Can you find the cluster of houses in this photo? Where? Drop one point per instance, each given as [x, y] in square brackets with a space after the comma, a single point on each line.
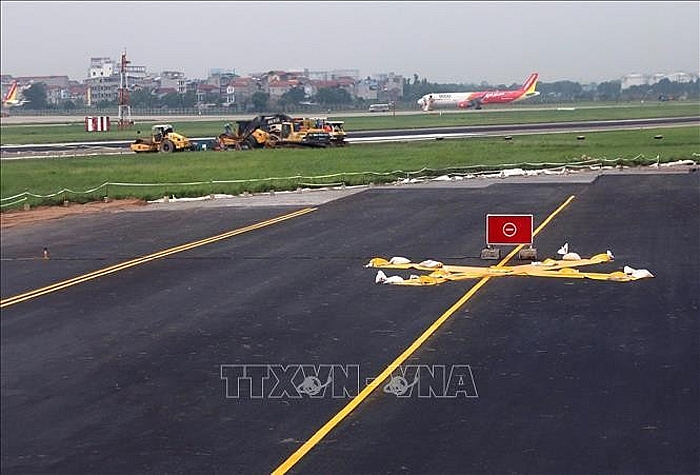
[106, 78]
[225, 88]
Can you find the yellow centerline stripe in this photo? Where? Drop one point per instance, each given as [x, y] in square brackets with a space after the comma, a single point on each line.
[357, 400]
[150, 257]
[537, 230]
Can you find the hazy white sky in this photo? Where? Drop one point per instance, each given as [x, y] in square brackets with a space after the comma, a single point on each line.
[462, 42]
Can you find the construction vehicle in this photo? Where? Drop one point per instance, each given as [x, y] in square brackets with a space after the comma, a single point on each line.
[249, 134]
[163, 139]
[337, 132]
[298, 132]
[278, 130]
[242, 138]
[333, 127]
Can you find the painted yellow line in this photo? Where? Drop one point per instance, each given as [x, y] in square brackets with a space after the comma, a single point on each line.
[150, 257]
[357, 400]
[537, 230]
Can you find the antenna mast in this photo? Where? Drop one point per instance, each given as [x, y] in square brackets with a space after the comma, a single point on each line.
[124, 114]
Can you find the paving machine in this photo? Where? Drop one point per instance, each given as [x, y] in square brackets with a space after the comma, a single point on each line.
[270, 131]
[333, 127]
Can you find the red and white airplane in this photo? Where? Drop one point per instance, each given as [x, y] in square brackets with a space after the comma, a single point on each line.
[465, 100]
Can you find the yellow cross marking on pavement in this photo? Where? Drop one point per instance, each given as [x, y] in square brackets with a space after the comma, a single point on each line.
[440, 273]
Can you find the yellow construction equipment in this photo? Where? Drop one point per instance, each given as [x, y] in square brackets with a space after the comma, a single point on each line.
[333, 127]
[278, 130]
[298, 132]
[163, 139]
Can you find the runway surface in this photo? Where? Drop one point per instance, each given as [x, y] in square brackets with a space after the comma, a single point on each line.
[135, 371]
[23, 151]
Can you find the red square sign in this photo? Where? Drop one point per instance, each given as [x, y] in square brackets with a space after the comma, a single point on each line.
[507, 229]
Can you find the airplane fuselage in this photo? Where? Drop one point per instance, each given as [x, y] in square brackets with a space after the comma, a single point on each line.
[465, 100]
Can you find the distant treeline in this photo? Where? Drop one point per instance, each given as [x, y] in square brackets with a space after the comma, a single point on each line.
[413, 89]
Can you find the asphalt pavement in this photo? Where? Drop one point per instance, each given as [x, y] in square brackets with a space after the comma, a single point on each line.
[226, 357]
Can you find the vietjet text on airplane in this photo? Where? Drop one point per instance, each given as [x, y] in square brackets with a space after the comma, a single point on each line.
[465, 100]
[11, 99]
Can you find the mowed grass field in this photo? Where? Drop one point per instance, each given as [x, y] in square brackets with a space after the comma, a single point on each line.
[75, 132]
[191, 174]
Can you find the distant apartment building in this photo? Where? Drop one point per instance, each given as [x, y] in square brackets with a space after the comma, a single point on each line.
[345, 83]
[367, 89]
[631, 80]
[104, 79]
[239, 92]
[173, 80]
[276, 83]
[57, 87]
[78, 92]
[681, 77]
[149, 82]
[390, 87]
[102, 89]
[57, 95]
[224, 86]
[102, 68]
[205, 91]
[636, 79]
[331, 75]
[137, 74]
[221, 78]
[106, 67]
[654, 78]
[49, 81]
[277, 89]
[75, 93]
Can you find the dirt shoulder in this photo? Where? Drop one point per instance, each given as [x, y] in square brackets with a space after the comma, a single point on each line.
[12, 218]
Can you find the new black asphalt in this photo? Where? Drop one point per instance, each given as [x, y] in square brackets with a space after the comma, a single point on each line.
[123, 374]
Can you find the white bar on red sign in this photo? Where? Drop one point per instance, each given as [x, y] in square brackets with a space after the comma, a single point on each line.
[509, 229]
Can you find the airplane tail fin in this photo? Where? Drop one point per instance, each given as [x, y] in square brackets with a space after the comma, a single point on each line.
[530, 84]
[11, 95]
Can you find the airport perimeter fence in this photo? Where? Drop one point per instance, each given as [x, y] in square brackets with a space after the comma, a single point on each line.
[179, 112]
[151, 191]
[112, 113]
[221, 111]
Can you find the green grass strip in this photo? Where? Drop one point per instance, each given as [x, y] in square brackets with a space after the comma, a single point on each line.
[75, 131]
[192, 174]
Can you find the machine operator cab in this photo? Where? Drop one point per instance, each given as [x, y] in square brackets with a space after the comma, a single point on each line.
[161, 130]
